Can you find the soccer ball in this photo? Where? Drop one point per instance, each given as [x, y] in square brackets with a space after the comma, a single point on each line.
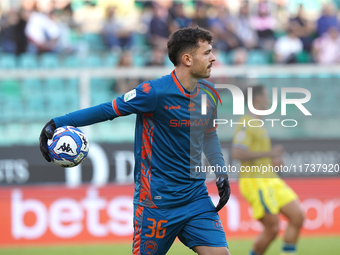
[68, 146]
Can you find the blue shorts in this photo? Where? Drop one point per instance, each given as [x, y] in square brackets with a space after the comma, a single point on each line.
[194, 224]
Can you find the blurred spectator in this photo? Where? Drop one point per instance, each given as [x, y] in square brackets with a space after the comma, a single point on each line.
[302, 28]
[40, 25]
[2, 18]
[29, 4]
[240, 56]
[157, 57]
[264, 24]
[200, 19]
[21, 41]
[326, 49]
[145, 17]
[224, 35]
[286, 48]
[178, 18]
[90, 17]
[158, 27]
[328, 19]
[43, 32]
[7, 32]
[124, 85]
[125, 59]
[67, 26]
[114, 33]
[243, 28]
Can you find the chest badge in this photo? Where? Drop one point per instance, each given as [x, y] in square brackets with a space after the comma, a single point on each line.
[191, 107]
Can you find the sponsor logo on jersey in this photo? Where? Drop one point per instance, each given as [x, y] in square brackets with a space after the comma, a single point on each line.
[150, 247]
[218, 225]
[191, 107]
[188, 123]
[146, 87]
[172, 107]
[130, 95]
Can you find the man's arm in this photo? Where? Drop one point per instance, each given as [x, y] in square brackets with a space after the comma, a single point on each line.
[87, 116]
[213, 152]
[139, 100]
[79, 118]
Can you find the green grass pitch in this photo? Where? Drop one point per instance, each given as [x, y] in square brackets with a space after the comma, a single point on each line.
[307, 246]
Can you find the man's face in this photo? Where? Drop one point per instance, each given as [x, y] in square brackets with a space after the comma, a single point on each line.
[262, 100]
[202, 61]
[244, 10]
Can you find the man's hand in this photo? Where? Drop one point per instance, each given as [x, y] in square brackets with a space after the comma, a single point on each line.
[277, 151]
[223, 187]
[277, 161]
[46, 133]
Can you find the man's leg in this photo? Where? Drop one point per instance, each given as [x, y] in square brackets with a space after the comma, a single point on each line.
[261, 196]
[295, 217]
[203, 232]
[270, 224]
[155, 230]
[207, 250]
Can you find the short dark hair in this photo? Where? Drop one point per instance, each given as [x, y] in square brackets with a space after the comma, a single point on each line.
[257, 90]
[186, 39]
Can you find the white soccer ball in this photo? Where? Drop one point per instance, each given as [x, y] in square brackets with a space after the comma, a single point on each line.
[68, 146]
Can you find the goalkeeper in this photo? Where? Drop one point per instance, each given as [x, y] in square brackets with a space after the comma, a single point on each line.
[170, 199]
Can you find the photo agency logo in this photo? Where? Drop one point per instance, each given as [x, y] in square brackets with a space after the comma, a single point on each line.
[238, 105]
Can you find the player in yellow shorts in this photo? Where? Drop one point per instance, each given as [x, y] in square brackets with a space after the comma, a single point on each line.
[267, 194]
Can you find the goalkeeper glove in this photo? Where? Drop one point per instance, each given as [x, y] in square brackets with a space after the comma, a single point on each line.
[46, 133]
[223, 188]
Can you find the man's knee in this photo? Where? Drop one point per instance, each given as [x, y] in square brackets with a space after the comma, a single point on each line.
[205, 250]
[273, 229]
[298, 219]
[271, 225]
[294, 213]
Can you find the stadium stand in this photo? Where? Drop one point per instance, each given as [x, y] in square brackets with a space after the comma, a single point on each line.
[28, 101]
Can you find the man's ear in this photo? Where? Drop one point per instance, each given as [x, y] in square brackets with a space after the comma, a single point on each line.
[187, 59]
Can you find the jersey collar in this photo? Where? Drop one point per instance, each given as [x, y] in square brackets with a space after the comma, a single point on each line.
[180, 87]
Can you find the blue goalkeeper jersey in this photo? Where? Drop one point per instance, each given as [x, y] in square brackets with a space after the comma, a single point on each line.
[170, 135]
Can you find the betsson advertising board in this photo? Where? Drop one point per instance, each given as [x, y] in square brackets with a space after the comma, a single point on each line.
[51, 215]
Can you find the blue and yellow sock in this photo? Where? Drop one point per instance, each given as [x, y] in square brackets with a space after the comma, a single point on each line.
[288, 249]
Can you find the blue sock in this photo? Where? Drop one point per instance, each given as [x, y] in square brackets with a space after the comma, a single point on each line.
[288, 248]
[253, 253]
